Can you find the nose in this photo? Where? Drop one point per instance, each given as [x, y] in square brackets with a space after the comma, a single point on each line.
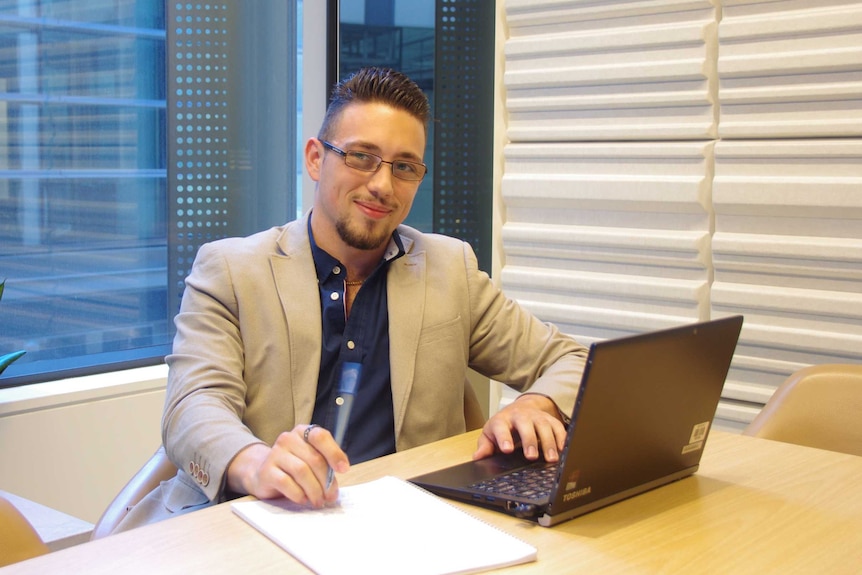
[381, 182]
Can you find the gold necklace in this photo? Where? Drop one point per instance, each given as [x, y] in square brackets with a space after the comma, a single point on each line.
[353, 283]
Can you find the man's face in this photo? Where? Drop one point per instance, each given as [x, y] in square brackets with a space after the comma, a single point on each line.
[356, 208]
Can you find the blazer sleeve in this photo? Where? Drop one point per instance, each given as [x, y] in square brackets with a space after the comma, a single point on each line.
[509, 344]
[202, 427]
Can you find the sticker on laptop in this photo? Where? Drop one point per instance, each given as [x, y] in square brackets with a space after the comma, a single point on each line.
[698, 435]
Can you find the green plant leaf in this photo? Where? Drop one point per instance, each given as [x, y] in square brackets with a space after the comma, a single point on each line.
[7, 359]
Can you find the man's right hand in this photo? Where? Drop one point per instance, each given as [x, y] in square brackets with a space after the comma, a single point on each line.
[293, 467]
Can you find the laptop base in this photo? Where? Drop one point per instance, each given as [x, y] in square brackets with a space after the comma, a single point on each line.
[548, 520]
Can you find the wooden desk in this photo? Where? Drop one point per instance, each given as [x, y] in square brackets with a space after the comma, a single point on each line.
[755, 506]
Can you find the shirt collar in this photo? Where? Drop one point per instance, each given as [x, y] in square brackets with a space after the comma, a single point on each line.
[324, 262]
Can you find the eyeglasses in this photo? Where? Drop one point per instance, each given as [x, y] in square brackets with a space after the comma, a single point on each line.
[363, 161]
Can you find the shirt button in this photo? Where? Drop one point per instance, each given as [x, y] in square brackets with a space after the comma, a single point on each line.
[351, 345]
[334, 296]
[336, 270]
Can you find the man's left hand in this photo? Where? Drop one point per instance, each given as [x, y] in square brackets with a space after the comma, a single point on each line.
[536, 421]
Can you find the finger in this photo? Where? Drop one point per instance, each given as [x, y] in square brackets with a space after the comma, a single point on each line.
[270, 477]
[485, 447]
[333, 457]
[549, 440]
[323, 442]
[529, 440]
[496, 435]
[296, 468]
[302, 477]
[275, 480]
[336, 460]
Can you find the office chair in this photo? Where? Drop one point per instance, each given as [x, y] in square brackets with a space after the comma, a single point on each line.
[818, 406]
[18, 539]
[159, 468]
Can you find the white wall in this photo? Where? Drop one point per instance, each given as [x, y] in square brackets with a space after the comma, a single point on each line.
[674, 161]
[73, 444]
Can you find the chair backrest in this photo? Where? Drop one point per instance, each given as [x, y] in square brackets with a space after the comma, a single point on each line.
[157, 469]
[18, 538]
[818, 406]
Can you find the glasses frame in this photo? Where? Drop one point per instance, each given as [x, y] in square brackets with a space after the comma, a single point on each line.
[345, 154]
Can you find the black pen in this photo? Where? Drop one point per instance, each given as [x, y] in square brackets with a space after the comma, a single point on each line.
[347, 385]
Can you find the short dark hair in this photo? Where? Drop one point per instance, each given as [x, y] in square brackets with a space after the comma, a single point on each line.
[383, 85]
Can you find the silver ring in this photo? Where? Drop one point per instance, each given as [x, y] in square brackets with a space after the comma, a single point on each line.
[307, 431]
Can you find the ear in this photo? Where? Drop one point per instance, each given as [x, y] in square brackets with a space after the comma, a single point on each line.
[313, 158]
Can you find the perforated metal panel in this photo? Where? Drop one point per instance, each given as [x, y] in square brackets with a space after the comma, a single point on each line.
[464, 123]
[231, 123]
[197, 133]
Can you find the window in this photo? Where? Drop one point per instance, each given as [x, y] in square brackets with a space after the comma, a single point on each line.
[402, 39]
[447, 47]
[131, 132]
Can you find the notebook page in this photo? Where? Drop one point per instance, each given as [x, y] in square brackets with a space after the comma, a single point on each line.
[385, 526]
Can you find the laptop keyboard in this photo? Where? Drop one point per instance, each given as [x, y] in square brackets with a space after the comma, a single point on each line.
[529, 483]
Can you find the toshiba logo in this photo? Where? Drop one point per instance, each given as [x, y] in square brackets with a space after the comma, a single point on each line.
[578, 493]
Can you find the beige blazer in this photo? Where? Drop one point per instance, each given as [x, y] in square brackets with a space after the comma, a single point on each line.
[246, 355]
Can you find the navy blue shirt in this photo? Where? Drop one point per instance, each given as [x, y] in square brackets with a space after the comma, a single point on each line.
[361, 338]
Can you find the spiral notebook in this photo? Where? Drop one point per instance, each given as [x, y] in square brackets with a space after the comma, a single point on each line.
[385, 526]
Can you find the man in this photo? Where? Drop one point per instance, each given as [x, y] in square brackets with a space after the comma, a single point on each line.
[267, 322]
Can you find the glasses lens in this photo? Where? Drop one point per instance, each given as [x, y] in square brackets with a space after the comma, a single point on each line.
[362, 161]
[401, 169]
[408, 170]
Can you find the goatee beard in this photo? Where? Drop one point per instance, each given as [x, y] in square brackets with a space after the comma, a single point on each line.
[359, 240]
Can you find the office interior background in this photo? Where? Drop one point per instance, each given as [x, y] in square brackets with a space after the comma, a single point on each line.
[651, 164]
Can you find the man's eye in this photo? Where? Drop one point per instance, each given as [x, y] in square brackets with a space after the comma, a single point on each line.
[364, 158]
[405, 167]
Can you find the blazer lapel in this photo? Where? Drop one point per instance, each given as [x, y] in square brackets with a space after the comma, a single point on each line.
[406, 310]
[296, 282]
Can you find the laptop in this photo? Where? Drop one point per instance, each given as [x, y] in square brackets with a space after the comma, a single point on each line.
[640, 421]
